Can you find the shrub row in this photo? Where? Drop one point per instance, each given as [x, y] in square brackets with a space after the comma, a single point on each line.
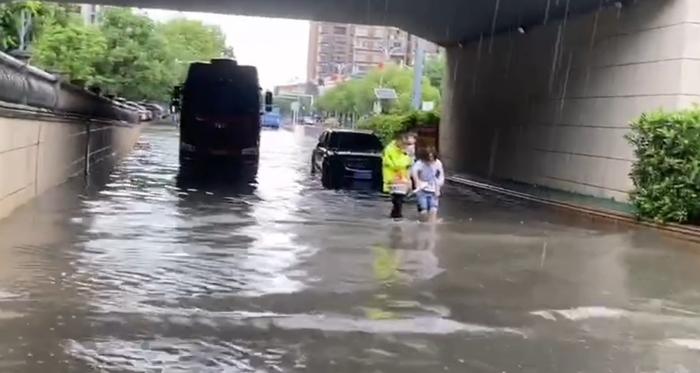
[666, 174]
[388, 126]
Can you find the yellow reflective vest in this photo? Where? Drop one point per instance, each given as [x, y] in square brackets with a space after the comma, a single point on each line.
[396, 166]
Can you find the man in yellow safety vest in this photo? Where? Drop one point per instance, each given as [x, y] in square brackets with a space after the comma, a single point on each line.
[397, 160]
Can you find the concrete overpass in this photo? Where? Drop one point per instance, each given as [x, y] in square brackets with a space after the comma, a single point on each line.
[537, 91]
[443, 21]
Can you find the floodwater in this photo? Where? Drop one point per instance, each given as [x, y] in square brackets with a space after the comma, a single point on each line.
[148, 273]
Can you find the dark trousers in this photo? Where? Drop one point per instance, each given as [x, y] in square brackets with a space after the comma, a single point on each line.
[397, 205]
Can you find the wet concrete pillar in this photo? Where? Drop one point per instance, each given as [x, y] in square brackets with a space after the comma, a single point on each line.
[550, 105]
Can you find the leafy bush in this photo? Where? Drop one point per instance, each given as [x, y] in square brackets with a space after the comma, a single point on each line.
[666, 174]
[388, 126]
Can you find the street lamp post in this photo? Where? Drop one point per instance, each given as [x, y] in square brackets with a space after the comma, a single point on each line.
[418, 75]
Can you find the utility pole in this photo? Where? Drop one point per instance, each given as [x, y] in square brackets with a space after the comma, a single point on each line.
[418, 77]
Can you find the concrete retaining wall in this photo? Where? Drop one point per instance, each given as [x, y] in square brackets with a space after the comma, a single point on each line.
[38, 154]
[552, 106]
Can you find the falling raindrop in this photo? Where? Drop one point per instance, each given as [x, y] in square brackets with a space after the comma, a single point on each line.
[509, 56]
[478, 50]
[555, 58]
[594, 32]
[521, 30]
[618, 5]
[493, 24]
[543, 258]
[368, 14]
[546, 12]
[475, 78]
[455, 72]
[562, 101]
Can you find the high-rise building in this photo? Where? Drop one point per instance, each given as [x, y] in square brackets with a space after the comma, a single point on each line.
[377, 45]
[330, 50]
[91, 13]
[338, 50]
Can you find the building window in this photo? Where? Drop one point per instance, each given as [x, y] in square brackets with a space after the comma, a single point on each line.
[340, 30]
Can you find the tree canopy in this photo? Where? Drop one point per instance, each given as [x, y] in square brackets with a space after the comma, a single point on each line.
[72, 49]
[435, 70]
[357, 96]
[127, 54]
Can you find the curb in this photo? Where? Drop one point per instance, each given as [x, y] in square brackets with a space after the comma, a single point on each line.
[685, 232]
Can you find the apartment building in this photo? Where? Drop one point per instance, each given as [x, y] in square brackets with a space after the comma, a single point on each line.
[338, 51]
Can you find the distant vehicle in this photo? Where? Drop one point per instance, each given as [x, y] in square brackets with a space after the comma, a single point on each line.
[220, 105]
[343, 155]
[144, 114]
[272, 120]
[308, 121]
[156, 110]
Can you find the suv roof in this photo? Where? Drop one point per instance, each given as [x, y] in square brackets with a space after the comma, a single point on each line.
[348, 130]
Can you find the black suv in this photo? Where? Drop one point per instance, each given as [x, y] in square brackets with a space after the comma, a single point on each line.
[343, 155]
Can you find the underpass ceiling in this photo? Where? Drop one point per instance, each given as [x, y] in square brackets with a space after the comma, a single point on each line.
[443, 21]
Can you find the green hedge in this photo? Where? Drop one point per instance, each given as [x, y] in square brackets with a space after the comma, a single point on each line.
[666, 174]
[388, 126]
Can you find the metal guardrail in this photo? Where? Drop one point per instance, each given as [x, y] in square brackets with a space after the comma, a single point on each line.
[27, 85]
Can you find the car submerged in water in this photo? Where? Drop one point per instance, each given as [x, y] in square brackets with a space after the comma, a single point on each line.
[348, 155]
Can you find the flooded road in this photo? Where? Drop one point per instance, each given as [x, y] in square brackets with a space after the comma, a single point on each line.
[148, 274]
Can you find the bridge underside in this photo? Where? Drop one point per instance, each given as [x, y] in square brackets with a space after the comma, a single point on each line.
[443, 21]
[537, 91]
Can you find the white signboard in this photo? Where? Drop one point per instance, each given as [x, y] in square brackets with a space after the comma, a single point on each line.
[428, 106]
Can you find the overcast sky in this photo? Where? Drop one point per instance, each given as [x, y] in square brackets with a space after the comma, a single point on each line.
[277, 47]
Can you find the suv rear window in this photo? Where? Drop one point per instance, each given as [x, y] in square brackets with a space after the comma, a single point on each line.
[351, 141]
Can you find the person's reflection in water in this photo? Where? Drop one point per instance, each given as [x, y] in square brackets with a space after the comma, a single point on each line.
[401, 263]
[421, 263]
[386, 268]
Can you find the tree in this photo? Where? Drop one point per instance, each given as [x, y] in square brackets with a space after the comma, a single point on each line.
[137, 64]
[36, 14]
[73, 49]
[435, 70]
[190, 40]
[128, 55]
[357, 96]
[144, 60]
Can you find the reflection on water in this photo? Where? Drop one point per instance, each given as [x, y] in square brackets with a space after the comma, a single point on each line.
[158, 270]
